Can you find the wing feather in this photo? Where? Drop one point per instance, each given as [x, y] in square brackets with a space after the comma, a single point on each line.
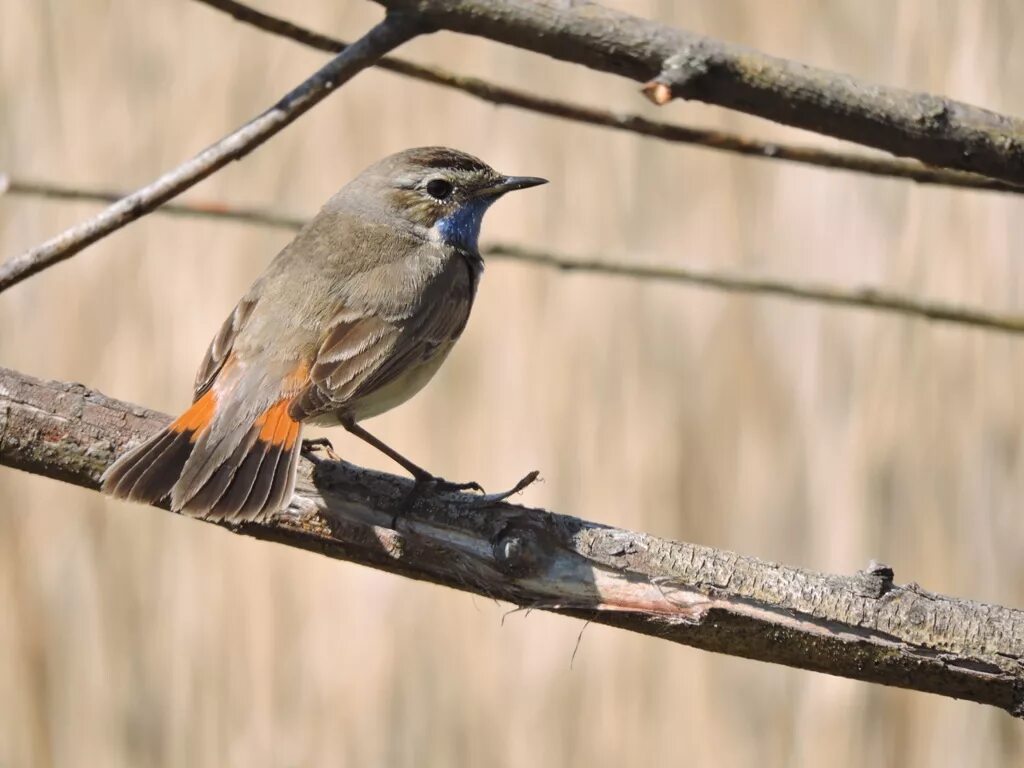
[362, 353]
[221, 346]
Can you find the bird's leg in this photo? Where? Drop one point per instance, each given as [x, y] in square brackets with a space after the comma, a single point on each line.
[422, 477]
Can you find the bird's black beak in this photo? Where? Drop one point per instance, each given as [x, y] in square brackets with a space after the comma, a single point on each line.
[510, 184]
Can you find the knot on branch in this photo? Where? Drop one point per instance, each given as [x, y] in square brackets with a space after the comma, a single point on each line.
[935, 115]
[875, 580]
[681, 74]
[522, 549]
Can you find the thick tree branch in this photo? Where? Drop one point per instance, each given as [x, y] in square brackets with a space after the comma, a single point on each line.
[863, 627]
[719, 140]
[818, 293]
[387, 35]
[679, 64]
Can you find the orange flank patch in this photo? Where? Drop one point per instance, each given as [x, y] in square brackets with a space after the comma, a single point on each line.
[277, 427]
[198, 416]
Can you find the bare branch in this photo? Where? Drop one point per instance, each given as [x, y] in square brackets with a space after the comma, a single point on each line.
[679, 64]
[387, 35]
[195, 209]
[864, 627]
[631, 123]
[859, 298]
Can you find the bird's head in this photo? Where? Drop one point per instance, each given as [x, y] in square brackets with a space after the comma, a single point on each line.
[441, 193]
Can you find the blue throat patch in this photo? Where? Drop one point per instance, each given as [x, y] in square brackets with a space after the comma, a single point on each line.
[461, 227]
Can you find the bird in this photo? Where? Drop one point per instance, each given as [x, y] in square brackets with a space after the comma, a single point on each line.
[352, 318]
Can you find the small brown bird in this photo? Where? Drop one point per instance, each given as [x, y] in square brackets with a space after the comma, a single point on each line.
[352, 318]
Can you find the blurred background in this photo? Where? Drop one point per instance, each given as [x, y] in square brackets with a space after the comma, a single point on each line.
[818, 437]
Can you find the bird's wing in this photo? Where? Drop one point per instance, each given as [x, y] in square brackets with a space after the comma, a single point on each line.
[361, 352]
[222, 344]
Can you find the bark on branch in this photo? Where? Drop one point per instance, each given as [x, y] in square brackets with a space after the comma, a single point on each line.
[681, 134]
[863, 627]
[678, 64]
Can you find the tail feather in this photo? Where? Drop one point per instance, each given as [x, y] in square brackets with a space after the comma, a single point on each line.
[213, 452]
[269, 483]
[240, 473]
[159, 470]
[243, 496]
[122, 476]
[259, 496]
[284, 478]
[208, 495]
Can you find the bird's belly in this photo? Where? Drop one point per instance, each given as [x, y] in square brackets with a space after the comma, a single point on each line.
[398, 391]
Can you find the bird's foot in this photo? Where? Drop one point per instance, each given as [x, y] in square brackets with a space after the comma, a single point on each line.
[310, 449]
[429, 484]
[524, 482]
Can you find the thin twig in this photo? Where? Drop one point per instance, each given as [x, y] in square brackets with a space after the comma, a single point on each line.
[631, 123]
[195, 209]
[391, 32]
[862, 298]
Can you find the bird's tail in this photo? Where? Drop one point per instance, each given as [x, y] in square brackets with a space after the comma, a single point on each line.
[215, 465]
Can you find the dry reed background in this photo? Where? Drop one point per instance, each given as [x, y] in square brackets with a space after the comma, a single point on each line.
[817, 437]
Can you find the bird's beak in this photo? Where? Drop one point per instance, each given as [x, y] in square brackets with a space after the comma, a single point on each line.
[511, 183]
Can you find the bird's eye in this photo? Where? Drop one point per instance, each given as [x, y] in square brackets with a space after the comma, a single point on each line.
[439, 189]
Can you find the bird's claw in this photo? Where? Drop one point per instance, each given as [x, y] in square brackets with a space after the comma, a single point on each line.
[314, 445]
[524, 482]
